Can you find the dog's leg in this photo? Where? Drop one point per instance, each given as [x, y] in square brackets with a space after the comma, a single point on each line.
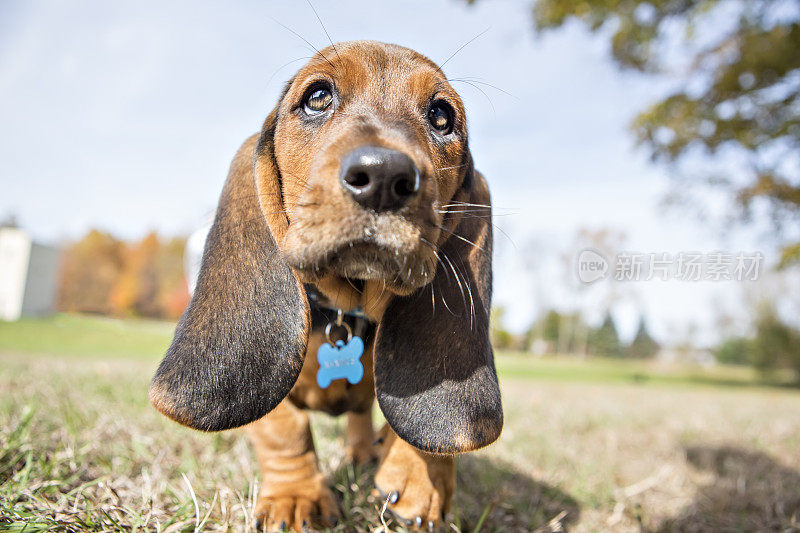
[419, 486]
[360, 438]
[293, 489]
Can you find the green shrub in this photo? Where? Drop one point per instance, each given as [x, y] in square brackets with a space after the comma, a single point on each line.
[735, 351]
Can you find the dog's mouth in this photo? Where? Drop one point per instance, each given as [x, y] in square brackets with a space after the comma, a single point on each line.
[396, 248]
[368, 260]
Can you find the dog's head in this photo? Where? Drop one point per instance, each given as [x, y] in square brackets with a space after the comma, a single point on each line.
[361, 173]
[374, 141]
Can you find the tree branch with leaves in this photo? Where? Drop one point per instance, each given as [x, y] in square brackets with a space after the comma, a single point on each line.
[738, 92]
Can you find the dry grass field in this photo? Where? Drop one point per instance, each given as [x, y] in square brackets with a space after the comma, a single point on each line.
[587, 446]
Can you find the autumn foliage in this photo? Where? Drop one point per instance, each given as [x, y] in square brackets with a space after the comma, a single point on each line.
[102, 274]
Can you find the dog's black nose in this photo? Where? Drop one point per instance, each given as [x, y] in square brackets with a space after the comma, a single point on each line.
[379, 178]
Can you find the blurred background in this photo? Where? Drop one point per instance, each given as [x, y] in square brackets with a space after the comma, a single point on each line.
[641, 130]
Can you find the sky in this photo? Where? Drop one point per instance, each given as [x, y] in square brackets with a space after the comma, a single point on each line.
[125, 116]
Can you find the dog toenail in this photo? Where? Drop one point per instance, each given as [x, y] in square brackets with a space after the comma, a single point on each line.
[419, 521]
[394, 496]
[283, 526]
[379, 440]
[430, 525]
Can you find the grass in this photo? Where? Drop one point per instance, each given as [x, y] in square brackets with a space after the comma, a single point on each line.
[587, 446]
[107, 338]
[87, 337]
[601, 370]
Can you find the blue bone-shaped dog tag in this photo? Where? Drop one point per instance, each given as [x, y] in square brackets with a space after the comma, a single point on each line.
[340, 361]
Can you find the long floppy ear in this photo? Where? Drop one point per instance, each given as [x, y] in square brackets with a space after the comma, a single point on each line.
[239, 346]
[434, 368]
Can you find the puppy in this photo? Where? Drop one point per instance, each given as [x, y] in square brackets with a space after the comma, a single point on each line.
[356, 215]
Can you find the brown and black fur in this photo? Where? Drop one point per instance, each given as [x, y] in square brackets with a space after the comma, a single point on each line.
[244, 350]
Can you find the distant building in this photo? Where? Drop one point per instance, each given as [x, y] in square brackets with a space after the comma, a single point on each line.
[27, 276]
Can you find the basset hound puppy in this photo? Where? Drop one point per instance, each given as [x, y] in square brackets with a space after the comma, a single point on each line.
[355, 215]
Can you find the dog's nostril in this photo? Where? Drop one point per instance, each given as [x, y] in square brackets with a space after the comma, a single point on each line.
[404, 185]
[357, 179]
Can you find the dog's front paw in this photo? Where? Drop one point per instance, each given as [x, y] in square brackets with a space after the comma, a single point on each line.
[419, 486]
[296, 506]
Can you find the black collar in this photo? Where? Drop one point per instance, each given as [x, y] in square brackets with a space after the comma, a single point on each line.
[323, 313]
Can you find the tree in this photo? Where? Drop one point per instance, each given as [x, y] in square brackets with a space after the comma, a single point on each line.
[773, 344]
[173, 294]
[152, 283]
[735, 351]
[101, 274]
[550, 326]
[643, 345]
[89, 271]
[10, 221]
[136, 290]
[739, 90]
[543, 334]
[561, 333]
[604, 341]
[776, 344]
[501, 338]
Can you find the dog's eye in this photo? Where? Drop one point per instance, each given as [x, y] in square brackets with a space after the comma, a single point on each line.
[440, 115]
[317, 100]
